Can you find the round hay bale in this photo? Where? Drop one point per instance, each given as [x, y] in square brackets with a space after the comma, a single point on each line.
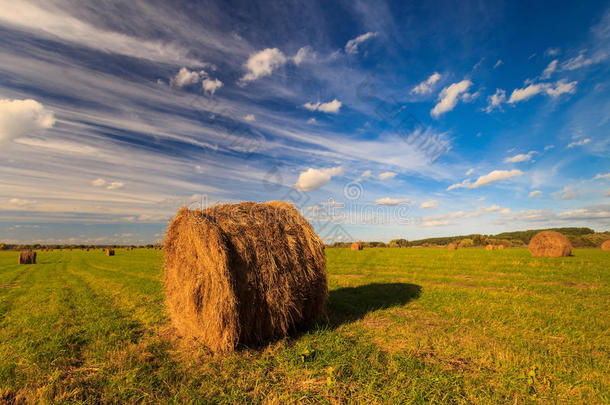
[550, 244]
[500, 247]
[606, 245]
[27, 257]
[489, 247]
[109, 252]
[243, 273]
[452, 246]
[357, 246]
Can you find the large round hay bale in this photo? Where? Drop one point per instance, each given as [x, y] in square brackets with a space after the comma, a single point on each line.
[109, 252]
[452, 246]
[356, 246]
[27, 257]
[489, 247]
[500, 247]
[606, 245]
[550, 244]
[243, 273]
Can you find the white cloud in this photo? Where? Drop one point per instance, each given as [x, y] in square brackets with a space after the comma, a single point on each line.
[435, 223]
[250, 117]
[365, 175]
[495, 100]
[303, 54]
[522, 157]
[312, 121]
[352, 45]
[432, 204]
[115, 185]
[263, 63]
[498, 63]
[561, 87]
[425, 87]
[390, 201]
[602, 176]
[579, 143]
[313, 179]
[387, 175]
[487, 179]
[184, 77]
[469, 172]
[99, 182]
[19, 202]
[607, 193]
[598, 212]
[547, 147]
[330, 107]
[22, 117]
[548, 71]
[449, 97]
[211, 85]
[552, 52]
[581, 61]
[535, 193]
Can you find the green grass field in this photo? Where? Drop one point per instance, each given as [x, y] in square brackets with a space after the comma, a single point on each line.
[404, 325]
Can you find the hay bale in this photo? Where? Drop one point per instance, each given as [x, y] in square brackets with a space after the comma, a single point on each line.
[452, 246]
[243, 273]
[27, 257]
[550, 244]
[500, 247]
[357, 246]
[489, 247]
[109, 252]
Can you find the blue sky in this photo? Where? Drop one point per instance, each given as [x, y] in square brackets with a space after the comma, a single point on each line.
[377, 121]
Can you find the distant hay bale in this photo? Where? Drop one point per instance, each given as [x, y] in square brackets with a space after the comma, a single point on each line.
[27, 257]
[489, 247]
[500, 247]
[452, 246]
[606, 245]
[109, 252]
[357, 246]
[243, 273]
[550, 244]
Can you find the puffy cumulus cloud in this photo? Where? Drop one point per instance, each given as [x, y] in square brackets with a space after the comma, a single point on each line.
[352, 45]
[522, 157]
[560, 87]
[263, 63]
[23, 117]
[99, 182]
[211, 85]
[582, 142]
[250, 118]
[548, 71]
[432, 204]
[303, 55]
[313, 179]
[535, 193]
[330, 107]
[387, 175]
[449, 97]
[425, 87]
[391, 201]
[185, 77]
[487, 179]
[495, 100]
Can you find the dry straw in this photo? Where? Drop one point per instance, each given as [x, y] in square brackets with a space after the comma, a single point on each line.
[489, 247]
[452, 246]
[27, 257]
[550, 244]
[500, 247]
[243, 273]
[109, 252]
[357, 246]
[606, 245]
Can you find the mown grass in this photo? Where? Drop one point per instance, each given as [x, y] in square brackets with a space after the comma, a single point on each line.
[403, 326]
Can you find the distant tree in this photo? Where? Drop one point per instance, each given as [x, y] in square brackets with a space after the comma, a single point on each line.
[464, 243]
[398, 243]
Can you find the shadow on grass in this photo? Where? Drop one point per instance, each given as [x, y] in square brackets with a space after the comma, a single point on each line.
[348, 304]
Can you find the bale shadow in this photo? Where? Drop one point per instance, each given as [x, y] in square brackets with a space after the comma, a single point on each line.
[349, 304]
